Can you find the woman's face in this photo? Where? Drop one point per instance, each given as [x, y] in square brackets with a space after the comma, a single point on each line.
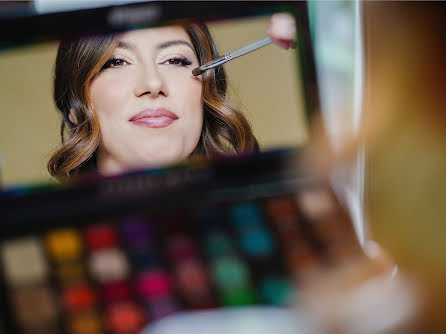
[148, 102]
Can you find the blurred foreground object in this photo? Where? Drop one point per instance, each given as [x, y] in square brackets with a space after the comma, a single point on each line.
[361, 298]
[404, 132]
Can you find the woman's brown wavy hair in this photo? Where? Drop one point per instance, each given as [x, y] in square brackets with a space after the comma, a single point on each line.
[225, 130]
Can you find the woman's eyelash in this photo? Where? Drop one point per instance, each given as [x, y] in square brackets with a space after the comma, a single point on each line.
[179, 61]
[118, 62]
[114, 62]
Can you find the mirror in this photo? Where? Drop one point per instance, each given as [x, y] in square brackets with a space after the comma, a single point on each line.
[266, 86]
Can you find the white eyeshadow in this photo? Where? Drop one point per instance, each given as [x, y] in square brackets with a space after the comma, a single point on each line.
[108, 265]
[24, 261]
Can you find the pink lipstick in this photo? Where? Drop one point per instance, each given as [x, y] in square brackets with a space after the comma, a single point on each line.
[154, 118]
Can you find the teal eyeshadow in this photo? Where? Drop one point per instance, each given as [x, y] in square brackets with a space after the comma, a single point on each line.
[257, 243]
[246, 215]
[275, 291]
[230, 274]
[218, 245]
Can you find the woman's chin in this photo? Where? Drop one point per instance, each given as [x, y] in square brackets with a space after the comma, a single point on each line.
[110, 167]
[163, 161]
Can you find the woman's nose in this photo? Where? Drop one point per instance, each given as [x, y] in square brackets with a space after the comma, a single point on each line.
[150, 82]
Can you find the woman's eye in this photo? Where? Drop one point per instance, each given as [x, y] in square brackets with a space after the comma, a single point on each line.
[114, 62]
[178, 61]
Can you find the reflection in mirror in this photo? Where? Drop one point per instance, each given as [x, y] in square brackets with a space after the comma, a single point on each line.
[130, 100]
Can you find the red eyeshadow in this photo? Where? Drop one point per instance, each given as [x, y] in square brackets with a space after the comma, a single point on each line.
[78, 297]
[101, 236]
[116, 291]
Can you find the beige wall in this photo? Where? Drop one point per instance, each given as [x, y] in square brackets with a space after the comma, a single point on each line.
[266, 82]
[264, 85]
[29, 124]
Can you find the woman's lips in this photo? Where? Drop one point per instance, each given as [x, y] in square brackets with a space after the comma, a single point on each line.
[154, 118]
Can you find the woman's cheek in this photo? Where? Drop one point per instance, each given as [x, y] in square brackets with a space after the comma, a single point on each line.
[185, 84]
[109, 93]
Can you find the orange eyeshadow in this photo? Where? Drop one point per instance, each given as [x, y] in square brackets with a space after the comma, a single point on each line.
[85, 323]
[125, 318]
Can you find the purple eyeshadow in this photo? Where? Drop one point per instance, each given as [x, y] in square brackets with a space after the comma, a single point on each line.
[136, 230]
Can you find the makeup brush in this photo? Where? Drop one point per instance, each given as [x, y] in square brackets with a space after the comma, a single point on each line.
[232, 55]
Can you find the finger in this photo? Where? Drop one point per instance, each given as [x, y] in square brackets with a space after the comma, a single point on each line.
[283, 43]
[282, 27]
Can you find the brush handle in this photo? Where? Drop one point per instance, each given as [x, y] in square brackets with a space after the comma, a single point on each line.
[232, 55]
[250, 47]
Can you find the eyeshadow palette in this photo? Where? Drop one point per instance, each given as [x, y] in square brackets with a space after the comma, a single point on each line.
[116, 270]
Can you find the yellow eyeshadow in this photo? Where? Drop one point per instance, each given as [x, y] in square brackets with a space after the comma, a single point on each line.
[64, 245]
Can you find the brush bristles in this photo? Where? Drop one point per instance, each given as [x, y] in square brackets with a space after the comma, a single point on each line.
[197, 71]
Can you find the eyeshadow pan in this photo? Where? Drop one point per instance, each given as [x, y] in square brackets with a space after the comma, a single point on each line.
[116, 291]
[34, 306]
[219, 244]
[275, 291]
[125, 318]
[192, 276]
[85, 323]
[193, 283]
[78, 297]
[154, 284]
[64, 245]
[233, 281]
[101, 236]
[285, 218]
[70, 272]
[136, 231]
[245, 215]
[24, 261]
[108, 265]
[257, 243]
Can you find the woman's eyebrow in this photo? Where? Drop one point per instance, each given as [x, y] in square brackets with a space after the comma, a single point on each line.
[125, 45]
[168, 44]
